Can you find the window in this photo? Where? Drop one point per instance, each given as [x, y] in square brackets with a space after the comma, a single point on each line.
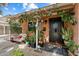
[31, 26]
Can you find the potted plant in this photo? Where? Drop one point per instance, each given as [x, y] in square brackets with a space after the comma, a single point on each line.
[31, 38]
[69, 43]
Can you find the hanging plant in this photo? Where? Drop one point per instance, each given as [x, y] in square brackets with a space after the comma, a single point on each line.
[66, 16]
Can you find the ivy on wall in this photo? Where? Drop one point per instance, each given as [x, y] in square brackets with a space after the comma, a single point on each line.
[66, 16]
[15, 27]
[67, 33]
[33, 16]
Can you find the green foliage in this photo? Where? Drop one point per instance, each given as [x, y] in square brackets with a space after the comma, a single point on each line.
[41, 34]
[70, 44]
[15, 27]
[17, 52]
[32, 38]
[22, 18]
[67, 34]
[25, 17]
[28, 32]
[66, 16]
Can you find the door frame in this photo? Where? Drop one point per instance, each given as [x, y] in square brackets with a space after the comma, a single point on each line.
[54, 19]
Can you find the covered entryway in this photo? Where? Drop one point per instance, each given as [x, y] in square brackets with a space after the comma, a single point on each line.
[55, 30]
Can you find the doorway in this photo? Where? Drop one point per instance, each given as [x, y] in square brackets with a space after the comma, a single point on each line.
[55, 26]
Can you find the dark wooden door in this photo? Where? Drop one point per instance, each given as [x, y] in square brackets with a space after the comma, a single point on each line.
[55, 30]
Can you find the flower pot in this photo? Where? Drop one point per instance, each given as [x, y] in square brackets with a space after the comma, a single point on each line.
[33, 45]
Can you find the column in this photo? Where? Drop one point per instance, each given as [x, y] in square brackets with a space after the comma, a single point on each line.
[76, 27]
[37, 34]
[9, 32]
[4, 29]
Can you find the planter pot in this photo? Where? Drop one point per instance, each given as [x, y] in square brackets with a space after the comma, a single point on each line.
[28, 44]
[33, 45]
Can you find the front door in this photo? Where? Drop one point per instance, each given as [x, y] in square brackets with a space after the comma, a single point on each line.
[55, 30]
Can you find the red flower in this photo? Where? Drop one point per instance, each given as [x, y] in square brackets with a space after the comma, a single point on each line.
[19, 37]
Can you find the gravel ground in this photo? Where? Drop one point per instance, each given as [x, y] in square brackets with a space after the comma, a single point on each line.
[28, 51]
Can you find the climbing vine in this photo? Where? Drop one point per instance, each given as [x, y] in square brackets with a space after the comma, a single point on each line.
[66, 16]
[32, 16]
[15, 27]
[67, 33]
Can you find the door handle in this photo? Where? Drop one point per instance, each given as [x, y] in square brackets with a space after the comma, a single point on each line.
[55, 30]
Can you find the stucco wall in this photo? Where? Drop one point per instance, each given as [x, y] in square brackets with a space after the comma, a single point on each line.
[24, 27]
[46, 33]
[76, 27]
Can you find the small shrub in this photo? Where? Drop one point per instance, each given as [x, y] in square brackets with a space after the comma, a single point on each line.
[17, 52]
